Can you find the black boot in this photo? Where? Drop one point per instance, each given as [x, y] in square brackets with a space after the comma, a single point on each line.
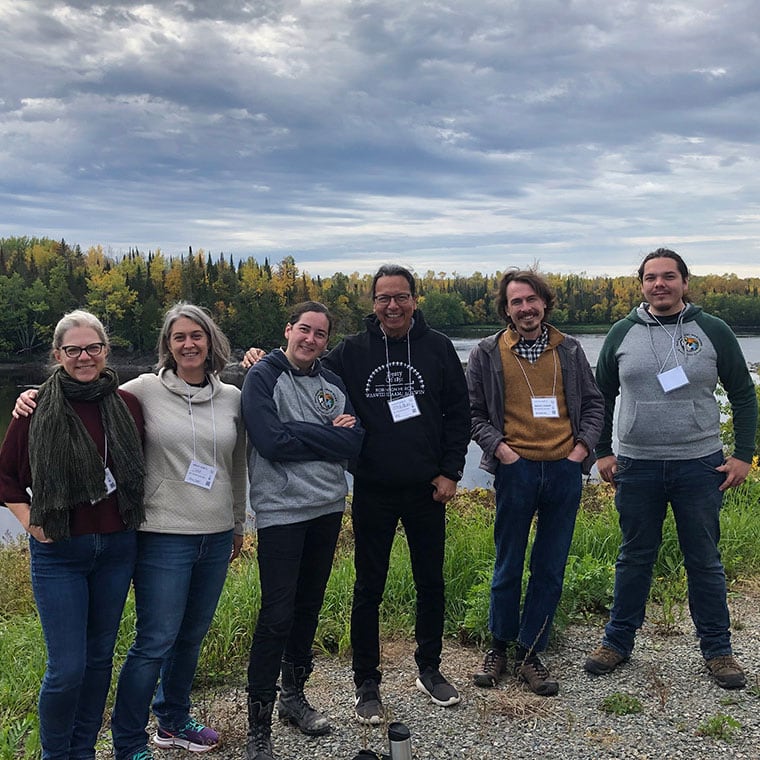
[292, 705]
[259, 743]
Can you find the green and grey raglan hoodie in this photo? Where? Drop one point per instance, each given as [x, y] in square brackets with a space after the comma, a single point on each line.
[298, 457]
[683, 423]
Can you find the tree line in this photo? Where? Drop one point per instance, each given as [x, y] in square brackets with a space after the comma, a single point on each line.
[41, 279]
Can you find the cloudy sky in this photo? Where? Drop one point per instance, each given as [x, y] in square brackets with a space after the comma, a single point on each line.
[455, 136]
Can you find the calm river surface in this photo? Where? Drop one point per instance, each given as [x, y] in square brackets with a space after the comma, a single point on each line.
[11, 381]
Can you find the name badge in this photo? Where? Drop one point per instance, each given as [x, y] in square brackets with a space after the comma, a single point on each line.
[199, 474]
[545, 406]
[404, 408]
[672, 379]
[110, 483]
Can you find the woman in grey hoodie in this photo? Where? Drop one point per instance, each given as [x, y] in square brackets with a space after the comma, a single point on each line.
[303, 432]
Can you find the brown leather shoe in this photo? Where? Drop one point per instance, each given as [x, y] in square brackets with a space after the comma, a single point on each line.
[494, 667]
[727, 672]
[537, 677]
[603, 660]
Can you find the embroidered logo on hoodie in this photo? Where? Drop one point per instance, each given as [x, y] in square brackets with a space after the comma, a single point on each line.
[690, 344]
[325, 399]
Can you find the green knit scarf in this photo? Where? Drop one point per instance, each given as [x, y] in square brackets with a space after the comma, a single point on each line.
[66, 467]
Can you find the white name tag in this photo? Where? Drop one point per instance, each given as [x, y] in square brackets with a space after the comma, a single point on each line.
[110, 482]
[545, 406]
[404, 408]
[672, 379]
[199, 474]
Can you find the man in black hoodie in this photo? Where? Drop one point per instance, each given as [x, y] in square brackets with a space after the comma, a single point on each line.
[407, 386]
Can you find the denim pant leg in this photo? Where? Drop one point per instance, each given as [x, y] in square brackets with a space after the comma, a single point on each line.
[424, 521]
[314, 572]
[171, 705]
[79, 586]
[170, 570]
[559, 498]
[110, 580]
[696, 502]
[375, 515]
[641, 501]
[516, 498]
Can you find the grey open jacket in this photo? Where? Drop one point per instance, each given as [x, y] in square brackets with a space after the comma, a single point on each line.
[485, 383]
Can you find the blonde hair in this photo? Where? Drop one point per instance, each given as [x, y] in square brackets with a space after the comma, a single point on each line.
[78, 318]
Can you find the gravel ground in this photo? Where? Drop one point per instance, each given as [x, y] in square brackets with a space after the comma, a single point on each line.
[665, 674]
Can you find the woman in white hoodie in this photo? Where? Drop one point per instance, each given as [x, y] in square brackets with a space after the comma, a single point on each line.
[195, 512]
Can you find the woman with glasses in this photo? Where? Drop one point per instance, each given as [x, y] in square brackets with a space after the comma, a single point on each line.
[195, 493]
[73, 476]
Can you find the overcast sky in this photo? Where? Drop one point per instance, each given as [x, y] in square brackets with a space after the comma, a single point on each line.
[453, 136]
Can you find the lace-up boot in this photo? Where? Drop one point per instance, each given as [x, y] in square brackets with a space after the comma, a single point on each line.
[494, 666]
[258, 745]
[292, 705]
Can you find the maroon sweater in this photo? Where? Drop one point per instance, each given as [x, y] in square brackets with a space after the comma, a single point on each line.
[16, 475]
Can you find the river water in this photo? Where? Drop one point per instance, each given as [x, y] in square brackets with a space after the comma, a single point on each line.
[12, 381]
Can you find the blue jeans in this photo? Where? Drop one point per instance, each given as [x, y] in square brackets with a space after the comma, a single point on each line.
[552, 491]
[80, 586]
[178, 581]
[376, 511]
[294, 566]
[644, 488]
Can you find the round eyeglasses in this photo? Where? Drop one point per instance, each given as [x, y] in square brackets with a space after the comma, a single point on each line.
[74, 352]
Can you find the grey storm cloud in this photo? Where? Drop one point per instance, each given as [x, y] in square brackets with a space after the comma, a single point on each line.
[444, 135]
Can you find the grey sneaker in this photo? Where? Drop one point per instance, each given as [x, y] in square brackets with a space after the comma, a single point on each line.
[727, 672]
[603, 660]
[369, 708]
[440, 691]
[494, 666]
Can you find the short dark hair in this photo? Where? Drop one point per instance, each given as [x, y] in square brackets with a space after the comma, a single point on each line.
[394, 270]
[529, 277]
[665, 253]
[304, 308]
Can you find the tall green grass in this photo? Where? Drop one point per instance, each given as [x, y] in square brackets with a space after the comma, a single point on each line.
[469, 560]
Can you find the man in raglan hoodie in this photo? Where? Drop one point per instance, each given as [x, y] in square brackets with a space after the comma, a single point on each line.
[407, 386]
[665, 360]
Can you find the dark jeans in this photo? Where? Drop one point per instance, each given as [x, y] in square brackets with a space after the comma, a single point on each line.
[178, 581]
[80, 586]
[644, 488]
[376, 512]
[552, 491]
[294, 566]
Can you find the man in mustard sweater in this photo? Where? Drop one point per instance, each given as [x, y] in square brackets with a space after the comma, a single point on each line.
[537, 414]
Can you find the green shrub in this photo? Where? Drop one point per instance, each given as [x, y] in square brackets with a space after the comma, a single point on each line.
[621, 703]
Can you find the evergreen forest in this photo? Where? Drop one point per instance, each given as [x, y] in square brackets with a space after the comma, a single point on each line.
[41, 279]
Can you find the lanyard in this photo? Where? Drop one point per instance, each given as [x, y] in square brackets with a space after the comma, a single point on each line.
[388, 366]
[530, 387]
[192, 420]
[672, 336]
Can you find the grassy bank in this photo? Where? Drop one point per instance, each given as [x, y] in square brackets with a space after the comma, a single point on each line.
[469, 560]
